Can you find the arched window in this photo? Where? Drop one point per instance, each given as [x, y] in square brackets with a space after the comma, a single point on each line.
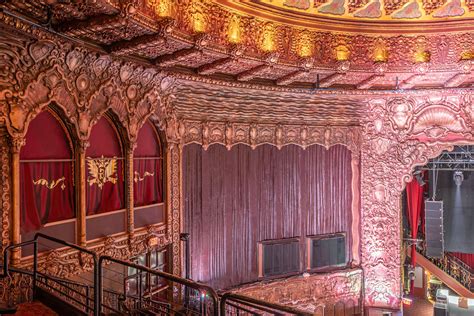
[46, 173]
[104, 159]
[148, 177]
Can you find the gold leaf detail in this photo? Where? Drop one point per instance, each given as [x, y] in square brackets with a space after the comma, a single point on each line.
[102, 170]
[137, 177]
[52, 185]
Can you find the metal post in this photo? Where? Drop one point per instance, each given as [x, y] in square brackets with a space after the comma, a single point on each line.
[35, 267]
[185, 238]
[97, 287]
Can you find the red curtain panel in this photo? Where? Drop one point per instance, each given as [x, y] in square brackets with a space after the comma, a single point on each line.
[235, 198]
[147, 181]
[47, 194]
[46, 184]
[415, 203]
[105, 178]
[147, 167]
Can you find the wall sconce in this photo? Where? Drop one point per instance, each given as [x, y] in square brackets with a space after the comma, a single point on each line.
[199, 22]
[305, 45]
[234, 31]
[380, 54]
[162, 8]
[342, 53]
[268, 38]
[467, 55]
[422, 56]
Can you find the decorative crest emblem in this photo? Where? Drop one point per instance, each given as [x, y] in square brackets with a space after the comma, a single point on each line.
[101, 171]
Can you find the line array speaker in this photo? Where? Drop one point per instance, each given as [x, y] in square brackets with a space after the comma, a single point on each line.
[434, 229]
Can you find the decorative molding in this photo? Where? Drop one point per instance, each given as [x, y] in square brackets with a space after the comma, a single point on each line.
[310, 292]
[230, 134]
[399, 134]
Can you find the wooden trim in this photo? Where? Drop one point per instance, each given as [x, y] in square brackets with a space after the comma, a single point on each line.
[355, 208]
[81, 196]
[149, 205]
[64, 221]
[129, 189]
[47, 160]
[15, 216]
[260, 259]
[106, 213]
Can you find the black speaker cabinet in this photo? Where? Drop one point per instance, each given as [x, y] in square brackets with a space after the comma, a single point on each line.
[434, 229]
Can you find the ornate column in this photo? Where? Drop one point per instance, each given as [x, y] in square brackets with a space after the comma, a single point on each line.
[173, 162]
[355, 227]
[81, 194]
[5, 185]
[389, 154]
[129, 188]
[15, 237]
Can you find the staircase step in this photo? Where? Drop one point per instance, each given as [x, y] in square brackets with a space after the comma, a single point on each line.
[34, 309]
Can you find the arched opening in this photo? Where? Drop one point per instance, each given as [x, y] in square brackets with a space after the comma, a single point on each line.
[148, 177]
[437, 225]
[47, 178]
[105, 206]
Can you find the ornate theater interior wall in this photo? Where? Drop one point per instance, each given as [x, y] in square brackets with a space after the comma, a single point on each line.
[395, 131]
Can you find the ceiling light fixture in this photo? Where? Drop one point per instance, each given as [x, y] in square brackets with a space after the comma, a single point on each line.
[458, 177]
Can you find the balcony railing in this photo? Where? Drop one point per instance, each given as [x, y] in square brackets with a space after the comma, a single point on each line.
[453, 266]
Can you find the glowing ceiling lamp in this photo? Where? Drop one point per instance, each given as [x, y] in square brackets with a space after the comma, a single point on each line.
[162, 8]
[342, 53]
[268, 38]
[458, 178]
[305, 45]
[234, 31]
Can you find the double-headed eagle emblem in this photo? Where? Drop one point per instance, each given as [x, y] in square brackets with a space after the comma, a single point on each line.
[102, 170]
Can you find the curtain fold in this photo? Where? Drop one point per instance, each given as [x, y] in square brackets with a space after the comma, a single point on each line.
[47, 193]
[415, 203]
[234, 199]
[109, 196]
[147, 181]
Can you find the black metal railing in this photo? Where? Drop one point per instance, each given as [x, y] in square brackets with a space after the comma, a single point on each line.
[168, 298]
[71, 292]
[236, 304]
[453, 266]
[155, 291]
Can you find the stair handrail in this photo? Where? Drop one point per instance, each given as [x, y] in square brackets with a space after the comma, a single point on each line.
[186, 282]
[34, 242]
[252, 302]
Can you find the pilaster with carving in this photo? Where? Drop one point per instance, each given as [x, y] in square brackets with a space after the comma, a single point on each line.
[400, 133]
[5, 184]
[174, 156]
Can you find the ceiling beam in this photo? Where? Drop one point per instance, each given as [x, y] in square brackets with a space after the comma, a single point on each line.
[177, 57]
[331, 79]
[211, 68]
[253, 72]
[457, 80]
[411, 81]
[134, 45]
[92, 24]
[291, 77]
[369, 82]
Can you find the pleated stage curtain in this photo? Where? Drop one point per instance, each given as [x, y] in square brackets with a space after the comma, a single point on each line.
[234, 199]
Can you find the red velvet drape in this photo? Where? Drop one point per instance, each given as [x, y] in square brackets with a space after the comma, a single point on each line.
[415, 203]
[147, 168]
[105, 143]
[148, 181]
[47, 193]
[235, 198]
[109, 197]
[467, 258]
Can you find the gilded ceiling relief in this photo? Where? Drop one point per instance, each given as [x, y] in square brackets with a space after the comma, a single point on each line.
[377, 9]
